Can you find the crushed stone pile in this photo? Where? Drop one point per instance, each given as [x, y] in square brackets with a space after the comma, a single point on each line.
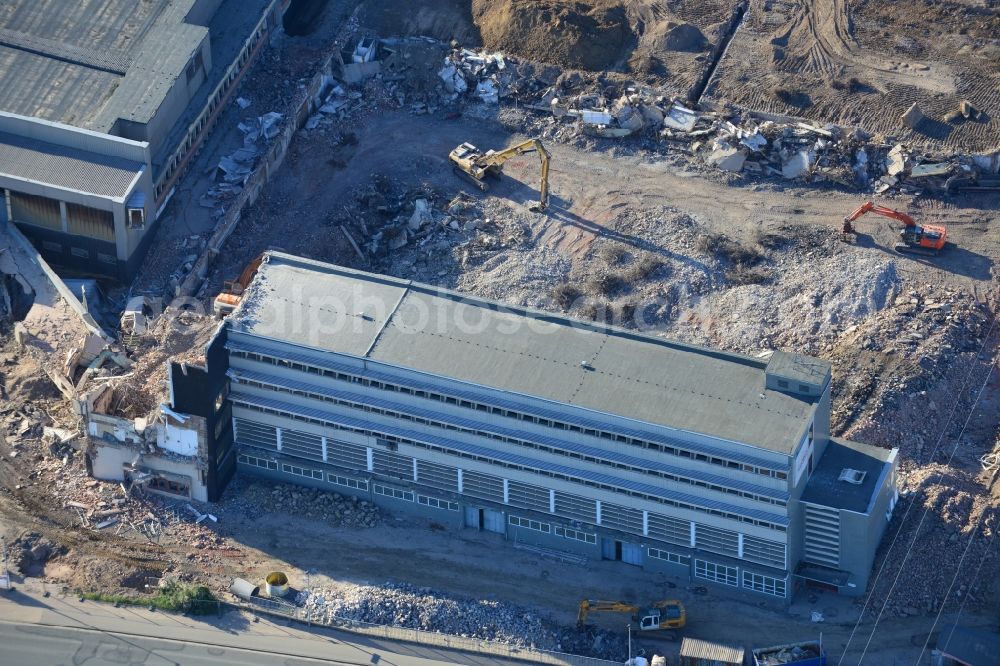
[253, 498]
[411, 607]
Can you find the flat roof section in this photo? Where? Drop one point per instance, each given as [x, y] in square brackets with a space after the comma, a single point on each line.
[825, 487]
[57, 166]
[89, 62]
[593, 366]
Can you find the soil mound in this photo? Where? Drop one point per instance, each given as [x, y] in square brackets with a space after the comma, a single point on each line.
[683, 37]
[591, 35]
[441, 19]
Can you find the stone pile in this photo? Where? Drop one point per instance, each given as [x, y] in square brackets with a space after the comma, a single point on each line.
[254, 498]
[410, 607]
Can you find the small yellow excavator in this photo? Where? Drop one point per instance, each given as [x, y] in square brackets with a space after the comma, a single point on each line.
[472, 164]
[667, 614]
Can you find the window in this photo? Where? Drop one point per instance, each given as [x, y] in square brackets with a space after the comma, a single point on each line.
[718, 573]
[299, 471]
[437, 503]
[51, 247]
[170, 486]
[258, 462]
[395, 493]
[803, 388]
[347, 482]
[667, 556]
[529, 524]
[79, 252]
[106, 258]
[766, 584]
[782, 383]
[576, 535]
[136, 218]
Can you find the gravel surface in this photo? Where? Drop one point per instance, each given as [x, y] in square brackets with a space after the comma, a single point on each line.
[402, 605]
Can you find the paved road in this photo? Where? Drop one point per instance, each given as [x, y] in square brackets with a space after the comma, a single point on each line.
[57, 631]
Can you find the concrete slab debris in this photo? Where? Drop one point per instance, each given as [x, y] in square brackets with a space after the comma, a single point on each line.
[728, 159]
[680, 118]
[913, 116]
[797, 165]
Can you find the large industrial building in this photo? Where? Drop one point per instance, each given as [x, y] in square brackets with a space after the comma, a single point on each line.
[103, 103]
[564, 435]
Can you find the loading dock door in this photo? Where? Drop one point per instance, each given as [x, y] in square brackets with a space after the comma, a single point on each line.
[623, 551]
[474, 517]
[631, 553]
[493, 521]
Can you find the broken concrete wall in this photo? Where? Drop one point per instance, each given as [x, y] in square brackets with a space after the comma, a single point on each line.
[172, 448]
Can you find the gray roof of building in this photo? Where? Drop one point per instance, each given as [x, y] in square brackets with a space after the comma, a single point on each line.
[70, 168]
[89, 62]
[522, 351]
[825, 488]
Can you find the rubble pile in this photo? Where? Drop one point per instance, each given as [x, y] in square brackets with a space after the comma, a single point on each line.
[908, 362]
[956, 504]
[725, 138]
[407, 606]
[29, 553]
[253, 498]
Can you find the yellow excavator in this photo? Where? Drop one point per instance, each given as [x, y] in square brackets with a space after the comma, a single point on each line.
[667, 614]
[472, 164]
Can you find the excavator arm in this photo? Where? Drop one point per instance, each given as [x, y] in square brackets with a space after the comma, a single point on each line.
[530, 146]
[588, 605]
[475, 166]
[916, 239]
[232, 290]
[871, 207]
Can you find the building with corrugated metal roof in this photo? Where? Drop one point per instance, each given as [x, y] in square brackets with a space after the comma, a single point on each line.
[570, 437]
[102, 105]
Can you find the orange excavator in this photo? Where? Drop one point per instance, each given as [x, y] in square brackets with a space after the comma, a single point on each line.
[232, 290]
[916, 239]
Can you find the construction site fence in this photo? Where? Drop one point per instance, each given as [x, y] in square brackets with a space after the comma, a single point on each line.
[416, 636]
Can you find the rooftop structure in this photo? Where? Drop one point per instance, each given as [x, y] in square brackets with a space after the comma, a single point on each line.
[106, 176]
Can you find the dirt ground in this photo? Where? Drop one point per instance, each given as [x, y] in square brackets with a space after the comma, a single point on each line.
[863, 64]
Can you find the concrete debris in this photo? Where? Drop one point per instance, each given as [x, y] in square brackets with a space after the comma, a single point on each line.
[797, 165]
[411, 607]
[242, 102]
[421, 215]
[913, 116]
[968, 111]
[727, 159]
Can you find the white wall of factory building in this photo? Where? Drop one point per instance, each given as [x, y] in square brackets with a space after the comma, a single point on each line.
[526, 506]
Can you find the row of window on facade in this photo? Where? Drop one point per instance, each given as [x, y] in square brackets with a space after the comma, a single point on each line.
[606, 458]
[704, 569]
[356, 376]
[268, 436]
[543, 500]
